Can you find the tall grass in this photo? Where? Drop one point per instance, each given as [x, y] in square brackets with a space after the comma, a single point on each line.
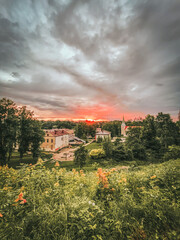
[119, 203]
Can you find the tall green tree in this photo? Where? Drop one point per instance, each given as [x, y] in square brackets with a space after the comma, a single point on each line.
[25, 130]
[167, 131]
[108, 148]
[149, 138]
[37, 138]
[80, 156]
[119, 153]
[134, 143]
[8, 128]
[81, 130]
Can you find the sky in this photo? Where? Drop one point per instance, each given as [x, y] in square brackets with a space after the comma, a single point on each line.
[91, 59]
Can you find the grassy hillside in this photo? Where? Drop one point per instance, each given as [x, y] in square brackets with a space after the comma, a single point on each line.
[120, 203]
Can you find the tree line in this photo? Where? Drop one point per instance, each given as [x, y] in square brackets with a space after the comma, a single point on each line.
[18, 130]
[158, 138]
[151, 141]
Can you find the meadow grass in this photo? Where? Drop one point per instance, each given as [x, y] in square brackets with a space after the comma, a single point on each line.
[118, 203]
[94, 145]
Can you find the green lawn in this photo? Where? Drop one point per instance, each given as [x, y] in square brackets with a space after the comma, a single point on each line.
[94, 145]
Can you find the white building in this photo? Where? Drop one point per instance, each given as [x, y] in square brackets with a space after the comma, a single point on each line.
[103, 134]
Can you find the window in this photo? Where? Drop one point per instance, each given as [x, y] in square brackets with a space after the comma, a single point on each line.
[48, 135]
[47, 140]
[51, 140]
[51, 147]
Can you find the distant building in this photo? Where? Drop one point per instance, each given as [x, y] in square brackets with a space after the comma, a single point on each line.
[55, 139]
[125, 129]
[103, 134]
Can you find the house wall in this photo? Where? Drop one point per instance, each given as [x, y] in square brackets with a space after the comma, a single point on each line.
[49, 144]
[103, 136]
[62, 141]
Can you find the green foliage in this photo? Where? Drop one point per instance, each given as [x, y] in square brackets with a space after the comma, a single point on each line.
[8, 128]
[19, 129]
[99, 139]
[25, 130]
[167, 131]
[97, 153]
[135, 203]
[119, 153]
[37, 138]
[80, 156]
[81, 130]
[172, 153]
[108, 148]
[114, 127]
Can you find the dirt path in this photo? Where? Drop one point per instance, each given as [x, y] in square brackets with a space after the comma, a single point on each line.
[67, 154]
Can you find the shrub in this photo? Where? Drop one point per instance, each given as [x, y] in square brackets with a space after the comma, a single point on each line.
[173, 152]
[97, 153]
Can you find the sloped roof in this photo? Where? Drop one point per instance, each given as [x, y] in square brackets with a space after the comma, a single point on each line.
[56, 132]
[103, 132]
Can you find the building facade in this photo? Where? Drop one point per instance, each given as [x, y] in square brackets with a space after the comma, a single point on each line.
[55, 139]
[103, 134]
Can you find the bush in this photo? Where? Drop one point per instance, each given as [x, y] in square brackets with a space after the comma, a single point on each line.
[97, 153]
[173, 152]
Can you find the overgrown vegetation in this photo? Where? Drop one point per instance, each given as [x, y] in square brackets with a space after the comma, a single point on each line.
[119, 203]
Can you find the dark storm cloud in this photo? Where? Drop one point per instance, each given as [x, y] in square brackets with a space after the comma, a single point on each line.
[122, 53]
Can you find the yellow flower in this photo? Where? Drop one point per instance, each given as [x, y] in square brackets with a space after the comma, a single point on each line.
[123, 180]
[56, 184]
[153, 177]
[22, 188]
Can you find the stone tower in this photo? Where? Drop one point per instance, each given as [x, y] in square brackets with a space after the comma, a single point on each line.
[123, 125]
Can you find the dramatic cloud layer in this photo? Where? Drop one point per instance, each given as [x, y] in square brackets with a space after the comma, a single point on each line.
[91, 58]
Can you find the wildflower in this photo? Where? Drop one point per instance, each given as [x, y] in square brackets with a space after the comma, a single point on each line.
[22, 188]
[5, 188]
[1, 215]
[153, 177]
[56, 184]
[113, 169]
[23, 201]
[112, 189]
[102, 177]
[123, 180]
[56, 164]
[20, 198]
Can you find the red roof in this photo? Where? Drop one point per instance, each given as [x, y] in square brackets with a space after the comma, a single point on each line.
[131, 127]
[57, 132]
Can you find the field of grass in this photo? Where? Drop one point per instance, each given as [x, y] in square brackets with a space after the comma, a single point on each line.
[109, 204]
[94, 145]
